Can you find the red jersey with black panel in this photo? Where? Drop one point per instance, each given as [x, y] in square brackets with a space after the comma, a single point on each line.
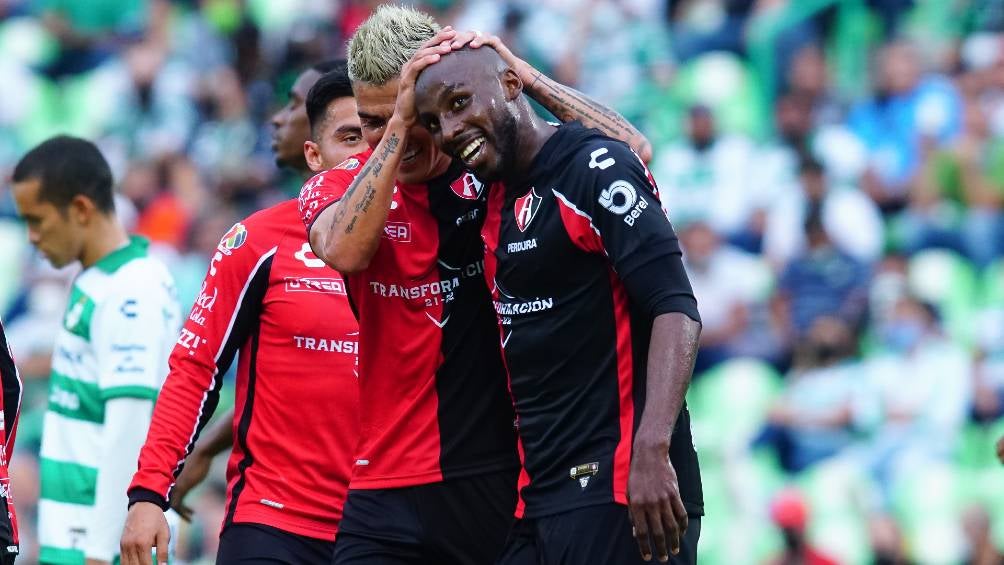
[433, 396]
[285, 315]
[581, 259]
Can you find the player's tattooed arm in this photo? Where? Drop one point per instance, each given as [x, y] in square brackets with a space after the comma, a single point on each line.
[566, 103]
[347, 234]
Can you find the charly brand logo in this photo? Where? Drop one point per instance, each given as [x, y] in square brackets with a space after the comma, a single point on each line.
[595, 163]
[526, 208]
[306, 256]
[467, 187]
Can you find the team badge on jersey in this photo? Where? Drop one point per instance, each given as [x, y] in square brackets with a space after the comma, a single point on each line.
[526, 208]
[235, 237]
[349, 164]
[584, 472]
[467, 187]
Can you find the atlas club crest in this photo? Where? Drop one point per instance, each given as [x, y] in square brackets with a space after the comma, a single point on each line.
[467, 187]
[526, 208]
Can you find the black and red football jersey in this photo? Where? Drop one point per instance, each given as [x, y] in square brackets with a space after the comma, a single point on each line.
[269, 301]
[10, 410]
[581, 259]
[433, 398]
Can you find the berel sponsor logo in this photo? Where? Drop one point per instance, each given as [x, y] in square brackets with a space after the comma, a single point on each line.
[397, 231]
[328, 345]
[323, 285]
[621, 198]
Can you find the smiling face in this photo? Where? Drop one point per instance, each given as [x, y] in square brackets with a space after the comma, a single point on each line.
[465, 101]
[422, 160]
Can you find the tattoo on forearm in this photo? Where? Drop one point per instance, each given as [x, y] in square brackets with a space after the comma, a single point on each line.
[362, 204]
[567, 104]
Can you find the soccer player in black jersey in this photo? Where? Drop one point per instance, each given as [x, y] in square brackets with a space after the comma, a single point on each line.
[599, 323]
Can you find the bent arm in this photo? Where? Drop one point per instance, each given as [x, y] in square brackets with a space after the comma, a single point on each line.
[346, 234]
[568, 104]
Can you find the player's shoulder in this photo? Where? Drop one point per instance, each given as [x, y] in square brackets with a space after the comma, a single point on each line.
[344, 171]
[599, 153]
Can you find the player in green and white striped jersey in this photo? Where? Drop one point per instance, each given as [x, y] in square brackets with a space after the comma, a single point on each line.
[110, 356]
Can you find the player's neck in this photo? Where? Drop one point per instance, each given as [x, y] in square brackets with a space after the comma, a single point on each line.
[531, 135]
[106, 236]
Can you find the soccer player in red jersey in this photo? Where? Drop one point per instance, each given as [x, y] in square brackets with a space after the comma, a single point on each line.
[10, 407]
[436, 470]
[599, 323]
[269, 302]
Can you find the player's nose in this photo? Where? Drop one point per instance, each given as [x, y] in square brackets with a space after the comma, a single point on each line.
[452, 130]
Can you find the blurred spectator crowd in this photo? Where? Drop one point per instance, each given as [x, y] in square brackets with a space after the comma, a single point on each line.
[834, 169]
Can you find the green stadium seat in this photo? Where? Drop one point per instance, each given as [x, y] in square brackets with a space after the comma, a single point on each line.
[722, 82]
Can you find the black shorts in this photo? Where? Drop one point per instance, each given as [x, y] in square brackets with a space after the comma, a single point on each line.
[257, 544]
[595, 534]
[456, 522]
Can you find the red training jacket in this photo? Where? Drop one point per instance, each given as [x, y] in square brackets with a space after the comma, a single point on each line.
[268, 300]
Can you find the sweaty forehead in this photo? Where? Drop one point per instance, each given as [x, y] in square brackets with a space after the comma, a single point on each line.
[469, 67]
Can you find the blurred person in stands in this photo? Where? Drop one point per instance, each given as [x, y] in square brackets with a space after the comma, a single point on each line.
[731, 287]
[790, 513]
[957, 201]
[914, 402]
[269, 302]
[813, 418]
[88, 32]
[982, 550]
[851, 220]
[908, 112]
[10, 410]
[820, 281]
[706, 177]
[988, 367]
[110, 355]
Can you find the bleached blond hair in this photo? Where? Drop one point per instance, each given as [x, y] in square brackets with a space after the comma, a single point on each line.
[386, 41]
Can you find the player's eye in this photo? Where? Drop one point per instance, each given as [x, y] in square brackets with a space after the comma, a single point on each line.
[432, 124]
[352, 138]
[459, 102]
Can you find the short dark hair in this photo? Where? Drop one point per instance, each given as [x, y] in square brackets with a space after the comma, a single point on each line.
[66, 167]
[325, 67]
[332, 85]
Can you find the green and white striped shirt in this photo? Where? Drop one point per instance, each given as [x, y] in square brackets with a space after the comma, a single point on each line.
[121, 323]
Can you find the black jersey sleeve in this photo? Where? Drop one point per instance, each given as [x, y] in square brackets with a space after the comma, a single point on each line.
[610, 186]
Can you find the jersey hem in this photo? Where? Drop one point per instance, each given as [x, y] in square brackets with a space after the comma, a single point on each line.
[377, 483]
[541, 511]
[305, 528]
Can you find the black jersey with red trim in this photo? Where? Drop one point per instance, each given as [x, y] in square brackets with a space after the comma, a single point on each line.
[581, 260]
[271, 303]
[10, 409]
[433, 398]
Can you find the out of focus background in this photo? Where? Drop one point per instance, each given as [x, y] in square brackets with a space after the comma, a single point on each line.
[834, 168]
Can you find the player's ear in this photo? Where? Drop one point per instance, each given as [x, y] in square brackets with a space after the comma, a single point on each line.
[81, 209]
[312, 153]
[511, 84]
